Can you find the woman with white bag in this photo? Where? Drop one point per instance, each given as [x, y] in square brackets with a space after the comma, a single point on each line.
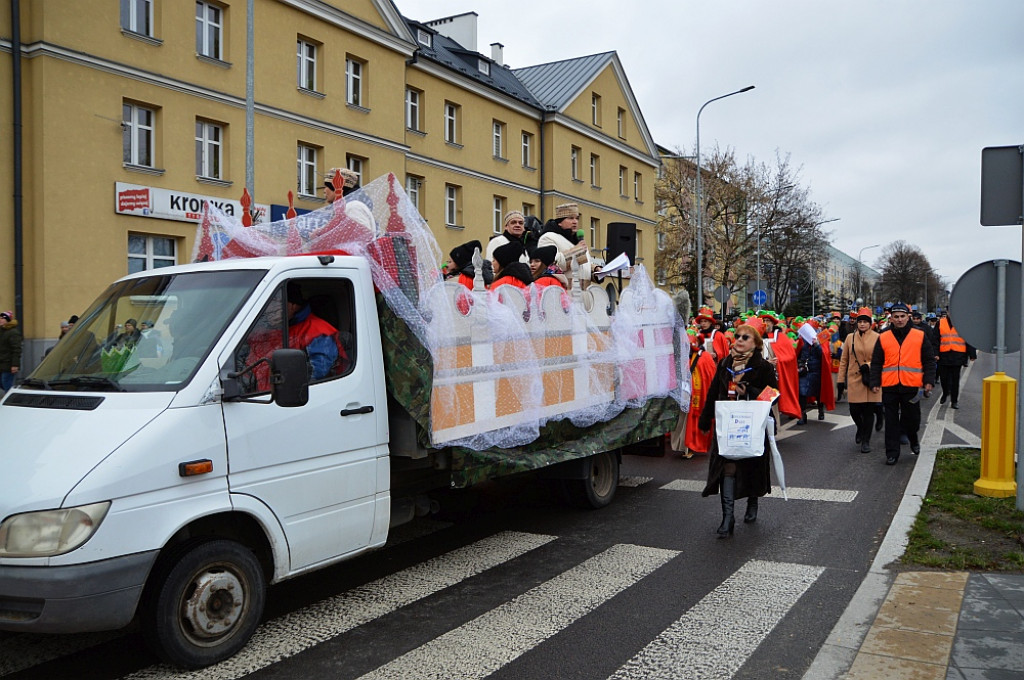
[741, 377]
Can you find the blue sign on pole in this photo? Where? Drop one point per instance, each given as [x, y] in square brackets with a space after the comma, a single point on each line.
[760, 297]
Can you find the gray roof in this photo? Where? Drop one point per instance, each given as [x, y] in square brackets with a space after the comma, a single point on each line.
[557, 83]
[452, 55]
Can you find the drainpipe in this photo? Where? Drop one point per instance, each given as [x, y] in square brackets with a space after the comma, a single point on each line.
[19, 265]
[540, 155]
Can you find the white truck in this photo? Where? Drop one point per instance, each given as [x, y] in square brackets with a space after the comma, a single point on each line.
[173, 467]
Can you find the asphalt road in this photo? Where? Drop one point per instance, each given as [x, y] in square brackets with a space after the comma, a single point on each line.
[507, 582]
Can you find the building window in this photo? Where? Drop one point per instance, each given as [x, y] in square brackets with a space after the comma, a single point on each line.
[527, 150]
[451, 123]
[483, 66]
[209, 142]
[209, 30]
[307, 168]
[497, 214]
[306, 53]
[354, 69]
[620, 121]
[412, 109]
[662, 240]
[151, 252]
[595, 231]
[424, 37]
[413, 184]
[638, 187]
[661, 276]
[595, 109]
[137, 16]
[498, 138]
[137, 139]
[528, 209]
[357, 165]
[451, 205]
[622, 180]
[595, 170]
[574, 162]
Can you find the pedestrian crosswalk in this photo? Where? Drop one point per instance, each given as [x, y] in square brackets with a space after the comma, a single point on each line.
[686, 649]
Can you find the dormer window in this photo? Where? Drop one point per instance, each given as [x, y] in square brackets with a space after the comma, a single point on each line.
[424, 37]
[484, 66]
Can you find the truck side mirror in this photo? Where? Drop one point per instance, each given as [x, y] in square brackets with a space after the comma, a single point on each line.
[289, 377]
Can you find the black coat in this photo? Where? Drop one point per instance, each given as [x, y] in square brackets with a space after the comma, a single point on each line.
[753, 477]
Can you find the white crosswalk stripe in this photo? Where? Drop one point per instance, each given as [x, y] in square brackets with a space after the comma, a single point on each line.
[794, 493]
[293, 633]
[482, 646]
[713, 639]
[634, 482]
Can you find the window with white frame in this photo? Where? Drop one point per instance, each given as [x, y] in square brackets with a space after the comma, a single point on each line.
[413, 184]
[622, 180]
[451, 205]
[638, 186]
[660, 273]
[356, 164]
[528, 209]
[498, 139]
[412, 108]
[595, 170]
[483, 66]
[451, 123]
[209, 143]
[138, 125]
[574, 162]
[306, 53]
[308, 177]
[424, 37]
[137, 16]
[620, 121]
[527, 150]
[595, 231]
[662, 240]
[595, 108]
[354, 71]
[151, 252]
[209, 30]
[498, 212]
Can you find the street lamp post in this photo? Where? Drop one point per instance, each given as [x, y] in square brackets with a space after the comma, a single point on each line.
[700, 205]
[860, 264]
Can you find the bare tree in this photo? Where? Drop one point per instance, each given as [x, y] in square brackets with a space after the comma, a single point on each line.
[906, 272]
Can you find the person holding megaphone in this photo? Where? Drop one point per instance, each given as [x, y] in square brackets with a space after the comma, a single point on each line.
[562, 232]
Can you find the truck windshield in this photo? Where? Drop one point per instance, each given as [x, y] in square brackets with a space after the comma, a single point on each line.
[148, 334]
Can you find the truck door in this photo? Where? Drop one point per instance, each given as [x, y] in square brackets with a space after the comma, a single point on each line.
[315, 466]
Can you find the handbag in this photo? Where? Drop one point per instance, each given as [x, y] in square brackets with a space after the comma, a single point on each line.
[740, 427]
[865, 369]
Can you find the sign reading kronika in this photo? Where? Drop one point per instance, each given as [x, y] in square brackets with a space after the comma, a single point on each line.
[180, 206]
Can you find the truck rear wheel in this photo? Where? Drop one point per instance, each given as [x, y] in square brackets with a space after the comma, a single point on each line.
[204, 604]
[597, 488]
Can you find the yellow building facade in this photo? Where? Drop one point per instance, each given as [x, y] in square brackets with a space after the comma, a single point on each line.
[133, 113]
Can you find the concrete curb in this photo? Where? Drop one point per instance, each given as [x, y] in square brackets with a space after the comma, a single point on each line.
[837, 655]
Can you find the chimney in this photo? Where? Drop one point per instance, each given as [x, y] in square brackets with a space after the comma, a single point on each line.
[461, 28]
[496, 53]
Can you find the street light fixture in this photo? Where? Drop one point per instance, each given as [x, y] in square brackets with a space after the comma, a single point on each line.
[700, 205]
[860, 265]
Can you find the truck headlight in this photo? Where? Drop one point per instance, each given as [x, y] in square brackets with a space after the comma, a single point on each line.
[50, 532]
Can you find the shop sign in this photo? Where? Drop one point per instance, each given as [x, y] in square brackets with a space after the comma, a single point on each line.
[180, 206]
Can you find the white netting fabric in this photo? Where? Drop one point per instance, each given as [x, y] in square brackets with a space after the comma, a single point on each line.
[505, 361]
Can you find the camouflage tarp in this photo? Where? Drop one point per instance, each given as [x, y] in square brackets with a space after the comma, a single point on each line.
[409, 373]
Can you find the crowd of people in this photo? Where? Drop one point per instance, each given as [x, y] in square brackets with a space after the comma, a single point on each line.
[883, 365]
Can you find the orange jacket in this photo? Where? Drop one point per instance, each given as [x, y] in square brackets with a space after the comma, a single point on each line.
[902, 362]
[949, 340]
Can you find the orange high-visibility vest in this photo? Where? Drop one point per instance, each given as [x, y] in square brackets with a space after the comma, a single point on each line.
[949, 340]
[902, 362]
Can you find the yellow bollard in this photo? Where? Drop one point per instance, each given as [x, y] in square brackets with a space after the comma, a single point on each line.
[998, 428]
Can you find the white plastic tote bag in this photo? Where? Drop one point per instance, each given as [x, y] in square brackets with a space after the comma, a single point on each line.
[740, 426]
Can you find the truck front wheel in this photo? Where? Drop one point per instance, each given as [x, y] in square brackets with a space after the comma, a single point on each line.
[204, 604]
[597, 488]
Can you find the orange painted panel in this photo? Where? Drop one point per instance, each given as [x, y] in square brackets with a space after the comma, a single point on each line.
[452, 405]
[559, 387]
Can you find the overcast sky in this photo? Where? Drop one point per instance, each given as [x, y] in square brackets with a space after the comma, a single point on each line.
[884, 104]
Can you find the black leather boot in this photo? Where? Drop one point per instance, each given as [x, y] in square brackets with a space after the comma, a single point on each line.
[751, 514]
[803, 411]
[728, 493]
[821, 411]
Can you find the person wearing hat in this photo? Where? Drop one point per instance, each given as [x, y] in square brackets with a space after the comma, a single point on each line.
[814, 362]
[855, 374]
[541, 259]
[563, 232]
[514, 230]
[902, 369]
[714, 340]
[460, 264]
[339, 183]
[10, 350]
[509, 270]
[954, 354]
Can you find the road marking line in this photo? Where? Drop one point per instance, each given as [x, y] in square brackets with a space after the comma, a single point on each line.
[27, 650]
[968, 437]
[794, 493]
[489, 642]
[716, 636]
[634, 482]
[293, 633]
